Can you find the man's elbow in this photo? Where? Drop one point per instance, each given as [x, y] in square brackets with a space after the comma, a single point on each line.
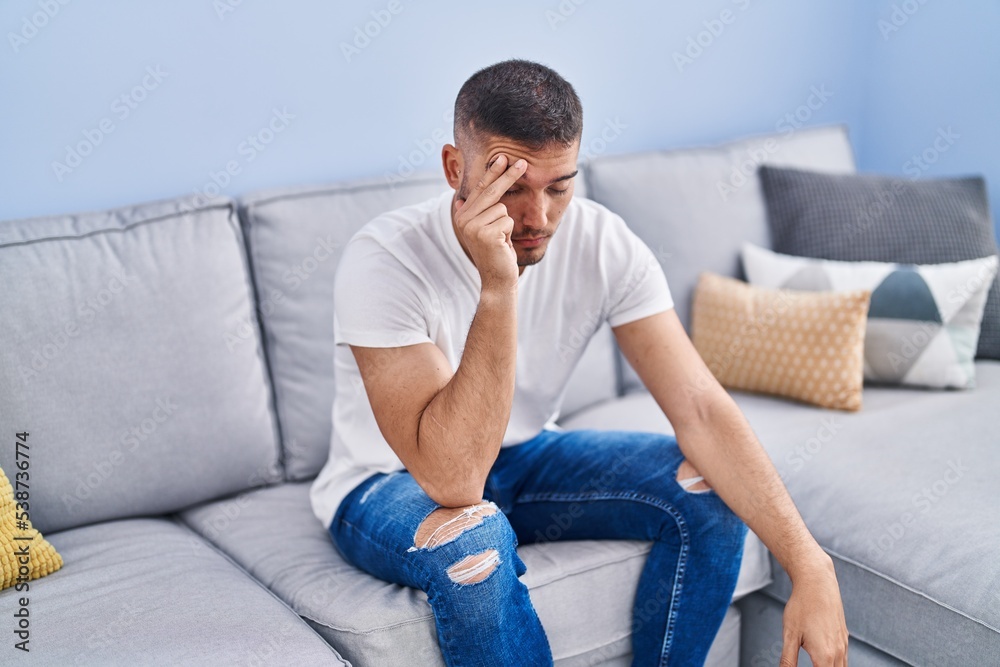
[454, 494]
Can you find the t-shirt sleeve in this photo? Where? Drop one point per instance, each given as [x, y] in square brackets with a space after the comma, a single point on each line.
[376, 299]
[637, 286]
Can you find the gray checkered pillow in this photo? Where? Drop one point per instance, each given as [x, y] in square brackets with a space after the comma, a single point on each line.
[862, 217]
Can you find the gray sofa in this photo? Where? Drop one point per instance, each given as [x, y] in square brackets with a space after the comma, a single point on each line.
[172, 363]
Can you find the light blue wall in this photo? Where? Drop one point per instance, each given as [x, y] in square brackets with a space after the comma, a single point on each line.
[360, 118]
[934, 72]
[388, 106]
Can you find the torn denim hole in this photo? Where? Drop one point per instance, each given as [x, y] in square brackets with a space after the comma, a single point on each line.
[474, 568]
[691, 481]
[467, 519]
[687, 483]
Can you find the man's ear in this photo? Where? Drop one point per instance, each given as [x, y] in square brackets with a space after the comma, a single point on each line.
[454, 163]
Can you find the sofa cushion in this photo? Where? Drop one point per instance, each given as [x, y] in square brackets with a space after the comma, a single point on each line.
[805, 345]
[128, 352]
[694, 207]
[296, 237]
[374, 622]
[902, 495]
[878, 218]
[142, 590]
[924, 319]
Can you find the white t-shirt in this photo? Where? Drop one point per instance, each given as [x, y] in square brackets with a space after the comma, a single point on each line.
[404, 279]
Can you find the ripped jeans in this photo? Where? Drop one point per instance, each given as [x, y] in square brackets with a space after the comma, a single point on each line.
[560, 485]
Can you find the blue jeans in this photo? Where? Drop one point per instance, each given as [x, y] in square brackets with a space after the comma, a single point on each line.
[560, 485]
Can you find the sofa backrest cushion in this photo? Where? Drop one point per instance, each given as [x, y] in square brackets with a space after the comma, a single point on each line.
[129, 356]
[695, 207]
[296, 236]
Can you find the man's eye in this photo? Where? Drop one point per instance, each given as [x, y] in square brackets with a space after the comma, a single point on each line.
[557, 192]
[511, 192]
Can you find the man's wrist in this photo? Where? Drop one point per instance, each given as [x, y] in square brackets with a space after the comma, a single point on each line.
[498, 295]
[809, 562]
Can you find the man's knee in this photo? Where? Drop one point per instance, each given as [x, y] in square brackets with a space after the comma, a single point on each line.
[445, 524]
[690, 479]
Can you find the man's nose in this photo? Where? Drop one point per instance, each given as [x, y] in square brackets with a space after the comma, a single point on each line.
[534, 215]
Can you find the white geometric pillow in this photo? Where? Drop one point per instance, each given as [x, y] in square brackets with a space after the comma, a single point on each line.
[924, 319]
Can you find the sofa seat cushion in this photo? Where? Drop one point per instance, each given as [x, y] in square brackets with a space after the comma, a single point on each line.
[902, 494]
[150, 591]
[583, 590]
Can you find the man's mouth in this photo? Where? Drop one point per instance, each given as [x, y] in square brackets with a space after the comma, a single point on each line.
[530, 241]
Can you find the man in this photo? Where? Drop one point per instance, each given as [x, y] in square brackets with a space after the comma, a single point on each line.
[458, 322]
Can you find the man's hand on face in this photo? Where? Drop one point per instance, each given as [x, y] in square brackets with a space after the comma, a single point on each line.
[485, 227]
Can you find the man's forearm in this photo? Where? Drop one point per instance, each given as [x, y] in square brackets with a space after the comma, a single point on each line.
[461, 429]
[724, 449]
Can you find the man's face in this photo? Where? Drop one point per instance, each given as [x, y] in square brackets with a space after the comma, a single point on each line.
[537, 200]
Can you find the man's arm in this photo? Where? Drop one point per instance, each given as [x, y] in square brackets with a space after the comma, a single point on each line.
[716, 439]
[447, 428]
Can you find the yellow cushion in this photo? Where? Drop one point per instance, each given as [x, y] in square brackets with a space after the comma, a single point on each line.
[808, 346]
[41, 556]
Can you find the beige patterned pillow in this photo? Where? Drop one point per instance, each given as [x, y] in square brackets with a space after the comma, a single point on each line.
[804, 345]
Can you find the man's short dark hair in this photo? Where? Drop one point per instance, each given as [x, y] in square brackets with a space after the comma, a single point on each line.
[519, 100]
